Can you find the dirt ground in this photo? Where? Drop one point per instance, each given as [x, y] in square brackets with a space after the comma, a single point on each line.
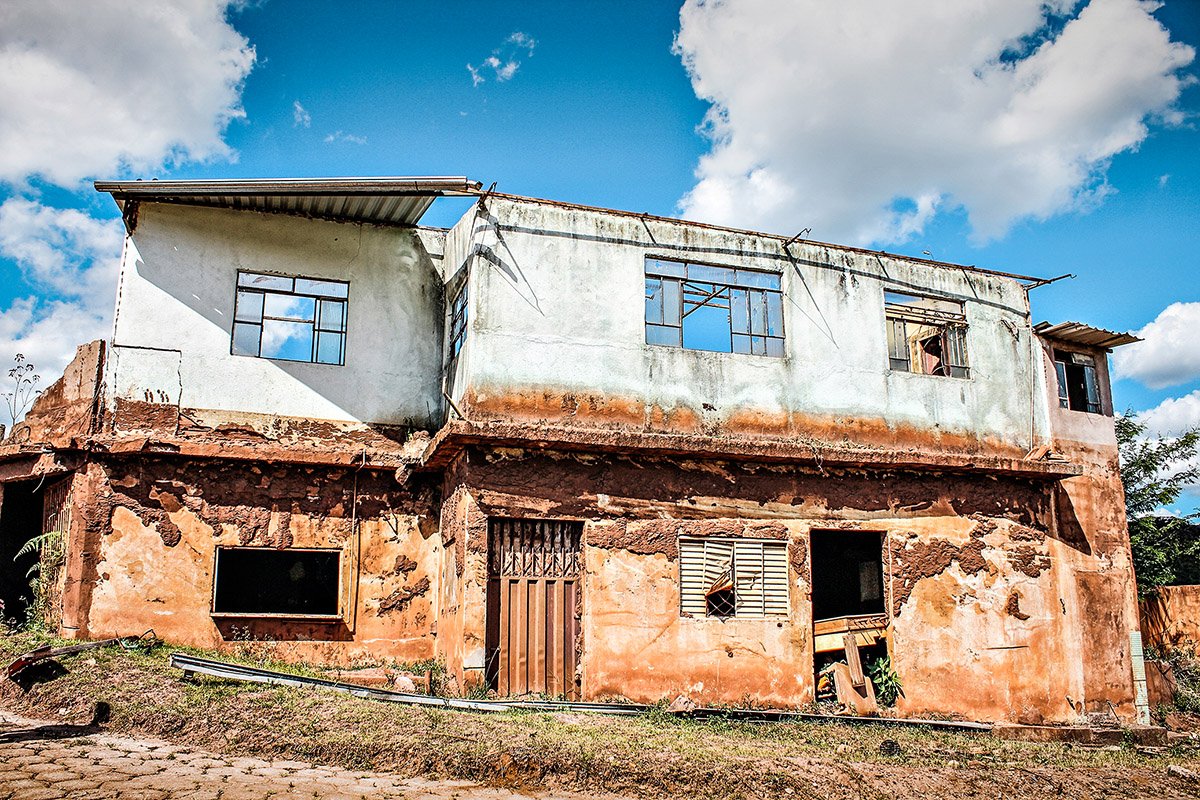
[656, 755]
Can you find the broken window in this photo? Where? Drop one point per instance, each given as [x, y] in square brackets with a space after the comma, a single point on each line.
[847, 573]
[720, 309]
[733, 578]
[269, 581]
[926, 335]
[290, 318]
[458, 321]
[1077, 386]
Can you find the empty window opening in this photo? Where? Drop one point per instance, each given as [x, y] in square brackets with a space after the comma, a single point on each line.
[719, 309]
[265, 580]
[926, 335]
[290, 318]
[733, 578]
[21, 526]
[1077, 386]
[847, 574]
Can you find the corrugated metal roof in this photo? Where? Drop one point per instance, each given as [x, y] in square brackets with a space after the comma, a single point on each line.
[384, 201]
[1078, 333]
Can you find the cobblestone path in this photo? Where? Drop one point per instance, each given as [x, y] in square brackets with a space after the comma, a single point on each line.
[42, 761]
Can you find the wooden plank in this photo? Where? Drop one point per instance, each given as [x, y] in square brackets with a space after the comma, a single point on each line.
[536, 625]
[504, 674]
[854, 660]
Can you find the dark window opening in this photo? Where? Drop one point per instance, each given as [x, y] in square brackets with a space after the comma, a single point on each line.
[20, 524]
[847, 574]
[1078, 389]
[926, 335]
[290, 318]
[291, 582]
[719, 309]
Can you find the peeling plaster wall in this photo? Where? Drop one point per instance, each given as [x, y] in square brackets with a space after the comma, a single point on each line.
[1171, 616]
[993, 610]
[557, 332]
[175, 307]
[142, 556]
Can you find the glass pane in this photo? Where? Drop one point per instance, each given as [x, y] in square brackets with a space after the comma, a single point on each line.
[1093, 391]
[758, 312]
[289, 307]
[249, 307]
[758, 345]
[658, 334]
[774, 313]
[775, 348]
[655, 266]
[703, 272]
[672, 304]
[259, 281]
[758, 280]
[333, 315]
[654, 300]
[1060, 369]
[329, 348]
[322, 288]
[739, 312]
[245, 339]
[897, 341]
[707, 328]
[290, 341]
[741, 343]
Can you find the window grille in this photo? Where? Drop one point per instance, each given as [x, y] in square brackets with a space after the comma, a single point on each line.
[290, 318]
[926, 335]
[458, 321]
[733, 578]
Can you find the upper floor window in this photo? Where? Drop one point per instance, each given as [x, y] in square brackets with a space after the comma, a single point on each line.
[926, 335]
[720, 309]
[290, 318]
[733, 578]
[458, 321]
[1077, 386]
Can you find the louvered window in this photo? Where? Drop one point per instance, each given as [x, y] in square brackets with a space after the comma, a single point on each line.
[733, 578]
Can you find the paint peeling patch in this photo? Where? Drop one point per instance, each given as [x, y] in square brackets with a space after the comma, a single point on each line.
[399, 599]
[1027, 560]
[1013, 607]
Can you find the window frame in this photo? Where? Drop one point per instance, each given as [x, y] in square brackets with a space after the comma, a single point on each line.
[317, 323]
[680, 293]
[343, 559]
[774, 589]
[951, 333]
[1092, 390]
[457, 319]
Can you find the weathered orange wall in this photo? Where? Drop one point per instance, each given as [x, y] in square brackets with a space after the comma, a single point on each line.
[1171, 617]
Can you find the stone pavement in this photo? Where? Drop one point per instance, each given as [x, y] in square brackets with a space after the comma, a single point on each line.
[45, 761]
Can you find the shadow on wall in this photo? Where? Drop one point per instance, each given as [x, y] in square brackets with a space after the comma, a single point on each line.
[412, 274]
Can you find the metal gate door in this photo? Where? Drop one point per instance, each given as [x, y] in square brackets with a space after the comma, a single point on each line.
[532, 594]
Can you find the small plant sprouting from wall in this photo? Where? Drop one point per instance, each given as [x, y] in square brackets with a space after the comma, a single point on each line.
[887, 683]
[23, 380]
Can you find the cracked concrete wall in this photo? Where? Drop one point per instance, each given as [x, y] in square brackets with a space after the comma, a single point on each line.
[557, 333]
[175, 306]
[142, 555]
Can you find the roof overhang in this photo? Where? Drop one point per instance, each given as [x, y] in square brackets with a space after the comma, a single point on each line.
[380, 201]
[1085, 335]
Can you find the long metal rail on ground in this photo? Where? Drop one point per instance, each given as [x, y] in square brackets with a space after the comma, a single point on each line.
[237, 672]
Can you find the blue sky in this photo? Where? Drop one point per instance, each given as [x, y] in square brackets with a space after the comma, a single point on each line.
[901, 125]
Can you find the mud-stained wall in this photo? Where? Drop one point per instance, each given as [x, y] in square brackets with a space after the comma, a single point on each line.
[983, 584]
[637, 644]
[462, 600]
[68, 411]
[143, 552]
[1171, 617]
[557, 332]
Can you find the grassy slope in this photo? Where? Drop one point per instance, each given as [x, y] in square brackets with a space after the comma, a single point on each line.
[655, 755]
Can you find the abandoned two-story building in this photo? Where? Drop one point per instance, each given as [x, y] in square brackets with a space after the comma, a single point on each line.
[580, 452]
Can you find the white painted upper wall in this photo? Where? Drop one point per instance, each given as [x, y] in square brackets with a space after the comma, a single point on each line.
[176, 303]
[557, 304]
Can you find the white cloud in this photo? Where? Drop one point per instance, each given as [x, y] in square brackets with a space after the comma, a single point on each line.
[505, 59]
[1162, 180]
[341, 136]
[1169, 354]
[863, 120]
[93, 88]
[72, 260]
[300, 116]
[1173, 416]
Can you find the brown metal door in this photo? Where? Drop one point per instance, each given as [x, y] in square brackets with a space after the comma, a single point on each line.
[532, 596]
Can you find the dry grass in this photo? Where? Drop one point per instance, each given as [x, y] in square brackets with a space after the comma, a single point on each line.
[653, 755]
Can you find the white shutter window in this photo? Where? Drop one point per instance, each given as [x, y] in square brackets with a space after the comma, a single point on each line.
[759, 572]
